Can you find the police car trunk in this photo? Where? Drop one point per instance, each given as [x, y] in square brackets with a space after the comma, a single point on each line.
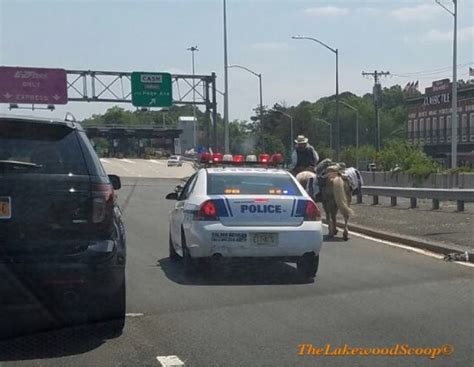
[255, 197]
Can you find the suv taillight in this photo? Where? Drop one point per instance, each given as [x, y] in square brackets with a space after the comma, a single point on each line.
[207, 211]
[102, 201]
[312, 212]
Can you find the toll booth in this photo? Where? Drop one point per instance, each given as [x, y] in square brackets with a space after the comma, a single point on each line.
[134, 142]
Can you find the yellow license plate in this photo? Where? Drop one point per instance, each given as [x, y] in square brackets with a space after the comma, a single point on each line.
[5, 207]
[265, 238]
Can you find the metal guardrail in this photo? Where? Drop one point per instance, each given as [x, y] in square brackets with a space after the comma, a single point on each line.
[459, 195]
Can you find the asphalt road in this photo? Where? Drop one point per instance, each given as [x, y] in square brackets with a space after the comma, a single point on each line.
[154, 168]
[366, 294]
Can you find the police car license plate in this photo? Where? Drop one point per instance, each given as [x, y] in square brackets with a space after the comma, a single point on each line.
[5, 207]
[265, 238]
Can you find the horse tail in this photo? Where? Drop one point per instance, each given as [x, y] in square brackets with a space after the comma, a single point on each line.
[340, 197]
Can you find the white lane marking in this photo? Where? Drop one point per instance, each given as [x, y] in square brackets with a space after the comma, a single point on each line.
[155, 161]
[103, 160]
[127, 160]
[170, 361]
[409, 248]
[134, 314]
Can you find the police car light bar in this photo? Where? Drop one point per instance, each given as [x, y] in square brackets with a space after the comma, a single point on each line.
[238, 159]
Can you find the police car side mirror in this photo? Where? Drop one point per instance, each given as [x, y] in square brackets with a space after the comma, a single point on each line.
[172, 196]
[178, 188]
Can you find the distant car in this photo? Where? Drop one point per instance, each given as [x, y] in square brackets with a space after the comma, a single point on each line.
[245, 212]
[61, 229]
[175, 161]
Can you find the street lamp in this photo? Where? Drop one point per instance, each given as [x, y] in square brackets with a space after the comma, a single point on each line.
[194, 49]
[330, 130]
[259, 76]
[454, 99]
[291, 125]
[336, 52]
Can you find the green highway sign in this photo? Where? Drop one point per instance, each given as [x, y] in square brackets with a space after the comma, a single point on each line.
[151, 89]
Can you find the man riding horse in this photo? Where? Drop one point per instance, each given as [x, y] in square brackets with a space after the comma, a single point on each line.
[304, 157]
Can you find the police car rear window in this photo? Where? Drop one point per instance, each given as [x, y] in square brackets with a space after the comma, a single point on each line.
[250, 184]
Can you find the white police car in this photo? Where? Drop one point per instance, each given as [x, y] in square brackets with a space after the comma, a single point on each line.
[235, 211]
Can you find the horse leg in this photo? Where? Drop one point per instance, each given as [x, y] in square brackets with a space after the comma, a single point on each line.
[327, 210]
[345, 234]
[334, 220]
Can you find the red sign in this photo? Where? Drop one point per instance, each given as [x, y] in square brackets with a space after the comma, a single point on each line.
[33, 85]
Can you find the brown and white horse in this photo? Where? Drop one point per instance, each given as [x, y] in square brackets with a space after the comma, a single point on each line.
[336, 195]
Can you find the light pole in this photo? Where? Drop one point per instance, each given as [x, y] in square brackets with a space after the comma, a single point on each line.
[259, 76]
[226, 87]
[454, 98]
[194, 49]
[291, 126]
[330, 130]
[336, 52]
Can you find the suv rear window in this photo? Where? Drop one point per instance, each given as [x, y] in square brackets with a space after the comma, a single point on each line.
[250, 184]
[54, 147]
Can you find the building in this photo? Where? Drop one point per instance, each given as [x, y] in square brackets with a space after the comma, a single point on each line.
[429, 121]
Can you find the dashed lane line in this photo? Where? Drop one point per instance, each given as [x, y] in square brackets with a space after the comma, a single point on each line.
[170, 361]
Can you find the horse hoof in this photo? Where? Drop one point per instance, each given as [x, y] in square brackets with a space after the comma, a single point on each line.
[345, 237]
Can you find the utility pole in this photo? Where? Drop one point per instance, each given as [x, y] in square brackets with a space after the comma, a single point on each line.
[454, 97]
[377, 99]
[194, 49]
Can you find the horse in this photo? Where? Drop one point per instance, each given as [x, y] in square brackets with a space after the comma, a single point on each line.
[336, 195]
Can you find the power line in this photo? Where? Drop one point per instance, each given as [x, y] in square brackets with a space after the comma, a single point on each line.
[433, 71]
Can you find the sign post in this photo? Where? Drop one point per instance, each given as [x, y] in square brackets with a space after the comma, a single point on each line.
[33, 85]
[151, 89]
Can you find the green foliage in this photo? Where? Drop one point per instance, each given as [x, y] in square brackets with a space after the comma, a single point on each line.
[367, 153]
[349, 156]
[459, 170]
[409, 158]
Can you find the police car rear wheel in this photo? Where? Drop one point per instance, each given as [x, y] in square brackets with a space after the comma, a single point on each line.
[308, 265]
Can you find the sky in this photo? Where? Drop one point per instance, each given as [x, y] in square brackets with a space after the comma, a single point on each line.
[402, 37]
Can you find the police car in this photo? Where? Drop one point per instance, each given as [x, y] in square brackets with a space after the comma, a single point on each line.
[230, 209]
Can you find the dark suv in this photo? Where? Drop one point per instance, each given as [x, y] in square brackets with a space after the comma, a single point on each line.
[62, 238]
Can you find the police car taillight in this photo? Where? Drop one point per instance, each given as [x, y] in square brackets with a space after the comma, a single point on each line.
[207, 211]
[312, 212]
